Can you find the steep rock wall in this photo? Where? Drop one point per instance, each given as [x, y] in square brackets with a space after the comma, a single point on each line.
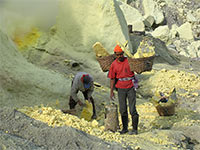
[22, 83]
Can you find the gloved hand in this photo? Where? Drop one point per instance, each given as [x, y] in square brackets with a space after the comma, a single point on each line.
[81, 103]
[89, 100]
[135, 83]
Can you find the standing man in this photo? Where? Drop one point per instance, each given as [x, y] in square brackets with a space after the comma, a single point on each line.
[82, 82]
[120, 70]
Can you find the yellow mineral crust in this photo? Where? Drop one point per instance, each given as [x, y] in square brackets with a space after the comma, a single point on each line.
[26, 39]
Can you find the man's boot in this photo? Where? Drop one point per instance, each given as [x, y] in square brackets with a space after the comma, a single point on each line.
[125, 125]
[135, 120]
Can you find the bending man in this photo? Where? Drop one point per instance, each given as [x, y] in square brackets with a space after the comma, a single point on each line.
[82, 82]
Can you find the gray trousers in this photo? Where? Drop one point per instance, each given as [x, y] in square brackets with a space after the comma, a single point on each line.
[123, 94]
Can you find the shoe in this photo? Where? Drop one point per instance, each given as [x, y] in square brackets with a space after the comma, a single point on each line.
[94, 116]
[125, 125]
[123, 131]
[133, 132]
[135, 120]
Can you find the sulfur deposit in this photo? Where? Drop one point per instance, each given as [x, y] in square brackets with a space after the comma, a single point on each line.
[187, 84]
[55, 117]
[148, 116]
[145, 49]
[26, 40]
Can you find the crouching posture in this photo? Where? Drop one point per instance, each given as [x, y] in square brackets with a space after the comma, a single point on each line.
[120, 70]
[82, 82]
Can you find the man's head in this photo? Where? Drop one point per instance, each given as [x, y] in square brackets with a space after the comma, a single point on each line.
[119, 53]
[86, 81]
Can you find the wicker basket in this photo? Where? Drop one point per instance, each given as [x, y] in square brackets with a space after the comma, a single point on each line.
[140, 65]
[166, 110]
[105, 62]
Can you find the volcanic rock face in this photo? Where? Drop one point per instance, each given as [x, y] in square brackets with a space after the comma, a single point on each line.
[86, 24]
[22, 83]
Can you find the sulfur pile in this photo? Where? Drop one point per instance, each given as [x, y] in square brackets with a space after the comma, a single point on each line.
[145, 49]
[148, 119]
[187, 84]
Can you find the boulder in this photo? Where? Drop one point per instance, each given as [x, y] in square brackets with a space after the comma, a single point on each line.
[194, 49]
[149, 21]
[132, 16]
[151, 9]
[185, 31]
[172, 16]
[162, 32]
[162, 52]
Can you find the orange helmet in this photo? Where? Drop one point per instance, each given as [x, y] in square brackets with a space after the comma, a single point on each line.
[117, 49]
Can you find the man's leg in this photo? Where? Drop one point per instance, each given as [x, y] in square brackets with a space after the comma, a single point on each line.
[94, 116]
[72, 103]
[123, 109]
[133, 111]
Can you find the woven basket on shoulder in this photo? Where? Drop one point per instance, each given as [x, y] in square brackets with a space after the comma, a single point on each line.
[166, 110]
[105, 62]
[140, 65]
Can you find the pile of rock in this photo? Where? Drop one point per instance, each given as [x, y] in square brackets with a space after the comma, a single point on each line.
[174, 22]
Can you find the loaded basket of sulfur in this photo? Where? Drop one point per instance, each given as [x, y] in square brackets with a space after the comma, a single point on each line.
[165, 105]
[103, 57]
[140, 62]
[166, 109]
[140, 65]
[143, 59]
[105, 62]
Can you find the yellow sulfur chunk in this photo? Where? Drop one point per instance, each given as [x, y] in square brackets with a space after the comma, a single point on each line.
[100, 50]
[145, 49]
[87, 111]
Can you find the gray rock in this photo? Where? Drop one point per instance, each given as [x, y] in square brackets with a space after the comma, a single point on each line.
[163, 54]
[41, 136]
[172, 17]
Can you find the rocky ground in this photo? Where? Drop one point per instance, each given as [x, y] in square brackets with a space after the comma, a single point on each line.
[36, 70]
[176, 132]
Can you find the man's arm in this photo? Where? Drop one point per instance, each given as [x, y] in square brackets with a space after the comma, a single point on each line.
[90, 91]
[74, 92]
[112, 84]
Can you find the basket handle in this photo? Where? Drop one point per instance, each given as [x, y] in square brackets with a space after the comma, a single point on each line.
[125, 49]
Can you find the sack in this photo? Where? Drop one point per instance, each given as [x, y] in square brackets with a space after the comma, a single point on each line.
[111, 117]
[87, 111]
